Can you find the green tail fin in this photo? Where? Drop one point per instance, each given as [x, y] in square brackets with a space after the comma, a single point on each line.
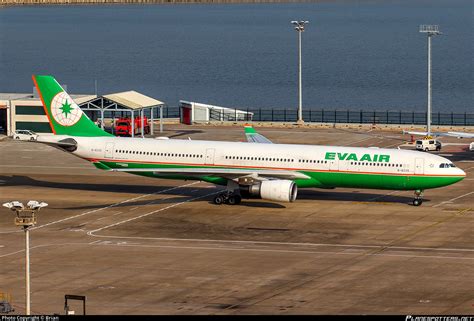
[65, 116]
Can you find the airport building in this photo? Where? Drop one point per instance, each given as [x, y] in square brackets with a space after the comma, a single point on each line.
[193, 112]
[25, 111]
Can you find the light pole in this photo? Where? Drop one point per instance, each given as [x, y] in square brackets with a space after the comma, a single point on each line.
[430, 30]
[26, 218]
[299, 27]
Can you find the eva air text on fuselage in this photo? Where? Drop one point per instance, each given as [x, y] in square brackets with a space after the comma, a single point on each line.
[354, 157]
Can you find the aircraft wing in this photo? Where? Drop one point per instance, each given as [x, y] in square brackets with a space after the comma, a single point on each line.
[228, 173]
[254, 137]
[461, 134]
[437, 134]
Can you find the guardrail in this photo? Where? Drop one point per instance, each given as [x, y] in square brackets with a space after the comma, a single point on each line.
[346, 116]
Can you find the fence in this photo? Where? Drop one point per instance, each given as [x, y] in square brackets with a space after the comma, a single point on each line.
[343, 116]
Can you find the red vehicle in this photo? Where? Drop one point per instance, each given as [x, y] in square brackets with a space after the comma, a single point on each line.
[123, 126]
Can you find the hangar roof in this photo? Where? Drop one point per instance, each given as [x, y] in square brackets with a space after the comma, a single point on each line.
[133, 100]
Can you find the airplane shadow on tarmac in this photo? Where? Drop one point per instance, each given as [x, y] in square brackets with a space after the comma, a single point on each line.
[184, 193]
[354, 196]
[179, 133]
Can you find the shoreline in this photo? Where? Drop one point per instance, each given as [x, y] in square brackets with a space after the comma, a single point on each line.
[4, 3]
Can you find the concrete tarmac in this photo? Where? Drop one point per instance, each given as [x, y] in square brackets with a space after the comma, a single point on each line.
[136, 245]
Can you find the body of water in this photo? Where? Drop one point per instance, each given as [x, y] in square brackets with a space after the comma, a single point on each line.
[356, 54]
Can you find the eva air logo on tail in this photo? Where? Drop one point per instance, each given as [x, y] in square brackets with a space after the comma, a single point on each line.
[64, 110]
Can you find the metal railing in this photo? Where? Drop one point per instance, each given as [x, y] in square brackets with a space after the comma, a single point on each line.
[342, 116]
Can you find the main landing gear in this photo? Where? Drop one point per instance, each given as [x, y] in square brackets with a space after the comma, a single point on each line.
[228, 197]
[231, 196]
[418, 198]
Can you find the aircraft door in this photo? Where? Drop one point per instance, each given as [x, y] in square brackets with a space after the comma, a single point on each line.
[334, 165]
[419, 166]
[210, 156]
[109, 150]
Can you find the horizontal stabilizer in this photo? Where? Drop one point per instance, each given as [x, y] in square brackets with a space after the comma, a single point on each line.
[254, 137]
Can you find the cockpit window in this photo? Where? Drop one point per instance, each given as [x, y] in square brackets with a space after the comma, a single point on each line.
[446, 165]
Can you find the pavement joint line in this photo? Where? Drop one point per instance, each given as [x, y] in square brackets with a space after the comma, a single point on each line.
[91, 233]
[112, 205]
[453, 199]
[421, 229]
[360, 141]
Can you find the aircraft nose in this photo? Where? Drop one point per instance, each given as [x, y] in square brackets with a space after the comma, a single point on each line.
[462, 173]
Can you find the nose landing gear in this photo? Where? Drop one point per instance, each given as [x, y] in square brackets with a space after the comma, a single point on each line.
[418, 198]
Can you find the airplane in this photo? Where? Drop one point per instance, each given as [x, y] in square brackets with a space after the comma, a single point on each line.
[254, 169]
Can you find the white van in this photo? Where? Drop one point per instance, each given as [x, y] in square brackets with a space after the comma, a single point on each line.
[25, 135]
[428, 145]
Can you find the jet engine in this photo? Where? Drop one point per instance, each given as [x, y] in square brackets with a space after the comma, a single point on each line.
[273, 190]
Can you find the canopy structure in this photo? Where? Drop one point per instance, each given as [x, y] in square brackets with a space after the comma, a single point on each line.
[131, 102]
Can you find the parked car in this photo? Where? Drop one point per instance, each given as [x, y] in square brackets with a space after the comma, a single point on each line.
[23, 134]
[428, 145]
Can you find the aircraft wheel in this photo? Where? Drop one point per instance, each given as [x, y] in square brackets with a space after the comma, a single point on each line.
[238, 199]
[218, 200]
[417, 202]
[231, 200]
[234, 200]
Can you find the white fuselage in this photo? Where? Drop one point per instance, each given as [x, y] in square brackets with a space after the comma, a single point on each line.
[271, 156]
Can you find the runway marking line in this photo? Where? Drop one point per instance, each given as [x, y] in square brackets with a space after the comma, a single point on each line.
[289, 243]
[282, 251]
[108, 243]
[112, 205]
[149, 213]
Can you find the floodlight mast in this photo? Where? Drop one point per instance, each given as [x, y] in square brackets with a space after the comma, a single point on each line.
[430, 30]
[26, 218]
[300, 27]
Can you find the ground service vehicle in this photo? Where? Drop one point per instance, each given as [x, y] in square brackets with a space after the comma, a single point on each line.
[123, 126]
[428, 145]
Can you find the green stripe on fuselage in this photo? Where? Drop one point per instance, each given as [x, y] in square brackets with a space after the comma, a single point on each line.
[321, 179]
